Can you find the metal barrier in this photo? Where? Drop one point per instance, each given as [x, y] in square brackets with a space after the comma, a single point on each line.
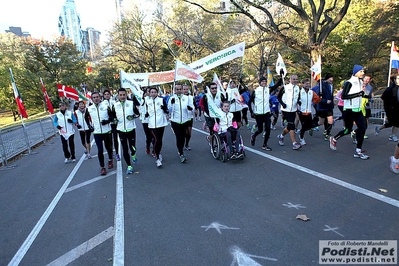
[19, 139]
[377, 110]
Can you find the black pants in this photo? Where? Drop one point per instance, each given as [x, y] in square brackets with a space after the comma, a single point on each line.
[85, 137]
[180, 133]
[306, 123]
[358, 118]
[244, 112]
[99, 139]
[128, 141]
[115, 138]
[68, 154]
[157, 134]
[260, 120]
[148, 136]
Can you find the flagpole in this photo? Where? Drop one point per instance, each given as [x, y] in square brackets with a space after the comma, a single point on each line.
[390, 63]
[242, 66]
[174, 77]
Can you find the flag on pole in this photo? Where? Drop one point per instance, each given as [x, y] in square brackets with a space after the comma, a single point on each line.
[128, 82]
[47, 99]
[316, 69]
[18, 99]
[184, 71]
[394, 56]
[82, 96]
[67, 92]
[270, 81]
[218, 83]
[280, 65]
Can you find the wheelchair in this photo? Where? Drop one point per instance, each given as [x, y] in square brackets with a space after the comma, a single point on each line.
[220, 148]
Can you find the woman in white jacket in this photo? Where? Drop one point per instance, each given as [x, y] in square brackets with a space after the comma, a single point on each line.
[156, 114]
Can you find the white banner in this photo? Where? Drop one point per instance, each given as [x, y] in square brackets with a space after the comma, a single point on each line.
[199, 66]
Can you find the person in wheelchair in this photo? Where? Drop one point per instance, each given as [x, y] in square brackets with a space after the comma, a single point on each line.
[228, 131]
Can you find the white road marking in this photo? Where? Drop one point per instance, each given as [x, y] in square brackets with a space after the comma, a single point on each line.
[242, 259]
[89, 181]
[330, 179]
[332, 229]
[119, 224]
[218, 226]
[35, 231]
[296, 206]
[83, 248]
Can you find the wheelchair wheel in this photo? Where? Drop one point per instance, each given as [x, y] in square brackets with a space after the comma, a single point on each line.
[215, 146]
[223, 154]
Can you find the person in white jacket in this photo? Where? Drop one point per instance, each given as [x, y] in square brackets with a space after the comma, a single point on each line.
[352, 95]
[144, 122]
[100, 121]
[156, 114]
[125, 114]
[229, 131]
[288, 98]
[179, 107]
[82, 117]
[64, 121]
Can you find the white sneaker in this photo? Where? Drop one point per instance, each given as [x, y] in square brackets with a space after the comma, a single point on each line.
[393, 138]
[360, 155]
[159, 163]
[333, 144]
[160, 157]
[280, 140]
[66, 160]
[296, 146]
[302, 142]
[394, 166]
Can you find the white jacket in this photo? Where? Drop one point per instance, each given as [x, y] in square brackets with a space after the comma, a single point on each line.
[178, 111]
[226, 121]
[67, 129]
[233, 93]
[99, 113]
[306, 101]
[157, 116]
[261, 100]
[80, 117]
[143, 110]
[122, 111]
[357, 85]
[290, 98]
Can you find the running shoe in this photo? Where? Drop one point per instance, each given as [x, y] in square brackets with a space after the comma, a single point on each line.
[273, 127]
[377, 130]
[297, 131]
[103, 171]
[117, 157]
[360, 155]
[280, 140]
[248, 126]
[153, 154]
[325, 132]
[160, 157]
[129, 170]
[393, 138]
[73, 160]
[66, 160]
[333, 144]
[394, 166]
[187, 148]
[354, 141]
[302, 142]
[366, 137]
[327, 137]
[183, 159]
[85, 151]
[263, 135]
[147, 151]
[316, 129]
[310, 131]
[134, 158]
[110, 164]
[296, 146]
[88, 156]
[159, 163]
[266, 148]
[253, 139]
[353, 134]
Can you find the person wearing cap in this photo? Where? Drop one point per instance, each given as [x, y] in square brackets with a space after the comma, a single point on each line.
[325, 108]
[352, 94]
[260, 110]
[289, 97]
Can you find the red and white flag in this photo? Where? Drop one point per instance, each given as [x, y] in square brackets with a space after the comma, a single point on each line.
[18, 99]
[67, 92]
[48, 102]
[316, 69]
[184, 71]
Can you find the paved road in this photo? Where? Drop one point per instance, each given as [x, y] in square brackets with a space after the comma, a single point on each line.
[204, 212]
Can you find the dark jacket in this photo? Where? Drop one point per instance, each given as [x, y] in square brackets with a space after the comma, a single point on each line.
[325, 94]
